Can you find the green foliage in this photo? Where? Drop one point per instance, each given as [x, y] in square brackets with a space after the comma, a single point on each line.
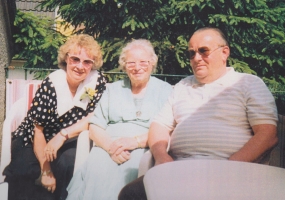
[255, 29]
[36, 42]
[116, 22]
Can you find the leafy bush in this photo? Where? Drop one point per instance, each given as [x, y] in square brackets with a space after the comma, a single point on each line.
[255, 29]
[37, 42]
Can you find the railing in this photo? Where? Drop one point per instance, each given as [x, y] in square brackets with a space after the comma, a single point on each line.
[172, 79]
[113, 76]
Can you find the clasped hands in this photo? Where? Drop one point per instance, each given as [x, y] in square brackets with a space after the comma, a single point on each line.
[119, 149]
[50, 151]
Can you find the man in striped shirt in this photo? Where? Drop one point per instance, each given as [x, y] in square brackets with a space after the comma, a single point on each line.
[215, 114]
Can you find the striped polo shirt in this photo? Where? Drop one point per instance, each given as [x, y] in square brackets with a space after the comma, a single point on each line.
[213, 121]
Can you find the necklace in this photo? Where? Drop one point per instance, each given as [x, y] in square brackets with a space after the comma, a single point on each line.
[138, 100]
[138, 104]
[138, 113]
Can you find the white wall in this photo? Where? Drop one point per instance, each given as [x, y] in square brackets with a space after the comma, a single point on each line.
[19, 74]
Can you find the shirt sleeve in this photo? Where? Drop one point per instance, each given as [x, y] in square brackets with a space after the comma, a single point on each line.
[261, 107]
[101, 113]
[166, 116]
[43, 107]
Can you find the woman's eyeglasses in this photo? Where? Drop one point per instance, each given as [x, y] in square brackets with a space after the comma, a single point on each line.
[74, 60]
[132, 64]
[203, 51]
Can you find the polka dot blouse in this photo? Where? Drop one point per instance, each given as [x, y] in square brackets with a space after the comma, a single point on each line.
[43, 112]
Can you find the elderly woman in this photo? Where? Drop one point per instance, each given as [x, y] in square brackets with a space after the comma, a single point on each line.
[44, 144]
[120, 125]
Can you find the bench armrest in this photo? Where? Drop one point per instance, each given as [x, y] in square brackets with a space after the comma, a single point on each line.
[82, 149]
[12, 121]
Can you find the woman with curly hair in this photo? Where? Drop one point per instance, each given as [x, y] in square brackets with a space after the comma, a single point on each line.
[44, 145]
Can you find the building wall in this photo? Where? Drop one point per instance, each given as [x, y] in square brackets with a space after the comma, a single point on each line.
[31, 6]
[5, 51]
[7, 10]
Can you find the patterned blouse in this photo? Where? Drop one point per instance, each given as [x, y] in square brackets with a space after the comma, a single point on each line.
[43, 111]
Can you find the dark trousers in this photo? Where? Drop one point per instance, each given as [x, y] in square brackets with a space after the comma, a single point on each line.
[24, 169]
[133, 191]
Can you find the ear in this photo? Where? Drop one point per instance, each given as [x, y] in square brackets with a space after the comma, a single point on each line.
[226, 52]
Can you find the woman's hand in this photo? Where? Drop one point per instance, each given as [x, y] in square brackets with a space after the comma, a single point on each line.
[122, 144]
[119, 149]
[121, 158]
[52, 147]
[48, 182]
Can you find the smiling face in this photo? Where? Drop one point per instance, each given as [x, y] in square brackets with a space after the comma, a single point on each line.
[79, 65]
[209, 55]
[138, 66]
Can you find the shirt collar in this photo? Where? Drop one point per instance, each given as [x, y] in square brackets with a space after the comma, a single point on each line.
[224, 80]
[65, 101]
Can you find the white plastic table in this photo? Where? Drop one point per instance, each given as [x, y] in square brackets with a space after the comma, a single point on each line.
[3, 191]
[214, 180]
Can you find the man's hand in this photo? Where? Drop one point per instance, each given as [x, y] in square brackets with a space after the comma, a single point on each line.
[263, 140]
[158, 143]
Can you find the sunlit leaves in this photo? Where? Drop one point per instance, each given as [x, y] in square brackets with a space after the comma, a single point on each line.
[36, 41]
[255, 29]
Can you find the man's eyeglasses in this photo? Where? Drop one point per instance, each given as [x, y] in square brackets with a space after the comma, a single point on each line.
[74, 60]
[132, 64]
[203, 51]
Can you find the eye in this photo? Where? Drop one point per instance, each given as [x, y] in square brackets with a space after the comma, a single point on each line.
[203, 50]
[88, 62]
[192, 53]
[143, 62]
[130, 63]
[74, 59]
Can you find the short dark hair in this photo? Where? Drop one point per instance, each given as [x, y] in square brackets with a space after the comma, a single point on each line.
[223, 36]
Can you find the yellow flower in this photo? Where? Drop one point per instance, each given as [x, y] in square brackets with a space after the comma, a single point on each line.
[91, 92]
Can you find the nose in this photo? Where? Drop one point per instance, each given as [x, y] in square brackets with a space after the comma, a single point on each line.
[80, 65]
[137, 66]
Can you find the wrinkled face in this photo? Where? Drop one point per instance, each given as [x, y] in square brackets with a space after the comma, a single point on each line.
[79, 65]
[138, 66]
[208, 55]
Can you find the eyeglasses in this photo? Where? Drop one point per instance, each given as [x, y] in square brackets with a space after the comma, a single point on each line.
[74, 60]
[203, 51]
[132, 64]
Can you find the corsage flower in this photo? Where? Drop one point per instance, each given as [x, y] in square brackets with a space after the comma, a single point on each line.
[89, 92]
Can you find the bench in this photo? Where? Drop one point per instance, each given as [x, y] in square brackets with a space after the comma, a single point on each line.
[17, 110]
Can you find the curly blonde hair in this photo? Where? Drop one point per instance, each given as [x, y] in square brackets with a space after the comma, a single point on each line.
[142, 44]
[74, 44]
